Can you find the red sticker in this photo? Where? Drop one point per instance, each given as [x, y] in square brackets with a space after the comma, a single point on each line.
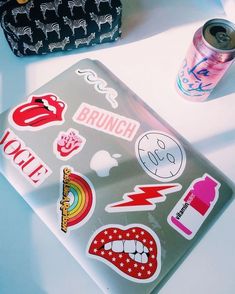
[27, 162]
[68, 144]
[39, 112]
[133, 251]
[143, 198]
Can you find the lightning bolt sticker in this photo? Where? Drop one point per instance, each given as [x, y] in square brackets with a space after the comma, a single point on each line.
[143, 198]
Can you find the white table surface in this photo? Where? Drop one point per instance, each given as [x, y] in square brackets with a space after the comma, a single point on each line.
[156, 35]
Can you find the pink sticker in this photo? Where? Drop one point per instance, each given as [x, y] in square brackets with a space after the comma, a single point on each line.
[23, 158]
[133, 251]
[106, 121]
[144, 198]
[195, 205]
[38, 112]
[68, 144]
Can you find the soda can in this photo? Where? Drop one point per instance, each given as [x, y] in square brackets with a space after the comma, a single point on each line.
[210, 55]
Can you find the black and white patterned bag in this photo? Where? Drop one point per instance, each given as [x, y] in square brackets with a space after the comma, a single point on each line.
[42, 26]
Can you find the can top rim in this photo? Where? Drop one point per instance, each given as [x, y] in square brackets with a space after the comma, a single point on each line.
[217, 20]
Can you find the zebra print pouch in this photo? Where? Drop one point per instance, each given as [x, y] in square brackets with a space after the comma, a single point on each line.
[42, 26]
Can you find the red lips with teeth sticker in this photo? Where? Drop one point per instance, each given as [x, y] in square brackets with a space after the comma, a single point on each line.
[132, 251]
[39, 112]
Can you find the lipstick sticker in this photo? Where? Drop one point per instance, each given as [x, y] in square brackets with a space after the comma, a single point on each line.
[68, 144]
[160, 155]
[77, 203]
[144, 198]
[38, 112]
[192, 209]
[133, 251]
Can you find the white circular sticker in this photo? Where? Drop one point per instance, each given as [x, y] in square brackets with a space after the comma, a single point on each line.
[160, 155]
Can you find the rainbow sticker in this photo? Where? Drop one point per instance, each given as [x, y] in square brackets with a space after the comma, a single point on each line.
[78, 200]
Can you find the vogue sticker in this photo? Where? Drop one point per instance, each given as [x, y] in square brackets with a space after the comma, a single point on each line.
[23, 158]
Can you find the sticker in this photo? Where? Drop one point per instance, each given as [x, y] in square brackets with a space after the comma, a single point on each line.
[106, 121]
[100, 85]
[144, 198]
[133, 251]
[102, 162]
[23, 158]
[160, 155]
[195, 205]
[68, 144]
[78, 200]
[39, 112]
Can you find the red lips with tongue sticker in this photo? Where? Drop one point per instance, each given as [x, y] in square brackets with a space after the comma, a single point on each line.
[39, 112]
[133, 251]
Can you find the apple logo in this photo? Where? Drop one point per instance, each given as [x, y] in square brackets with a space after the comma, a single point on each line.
[102, 162]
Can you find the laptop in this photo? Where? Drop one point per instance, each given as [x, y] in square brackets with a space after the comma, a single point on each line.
[124, 192]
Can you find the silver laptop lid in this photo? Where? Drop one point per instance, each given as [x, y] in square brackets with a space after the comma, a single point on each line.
[125, 194]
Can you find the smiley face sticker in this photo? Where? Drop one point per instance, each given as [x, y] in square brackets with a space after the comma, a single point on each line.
[160, 155]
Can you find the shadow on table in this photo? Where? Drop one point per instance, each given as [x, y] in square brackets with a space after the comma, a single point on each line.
[32, 260]
[18, 273]
[226, 86]
[141, 19]
[216, 142]
[147, 18]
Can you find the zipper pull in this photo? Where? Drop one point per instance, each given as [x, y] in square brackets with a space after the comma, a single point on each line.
[22, 1]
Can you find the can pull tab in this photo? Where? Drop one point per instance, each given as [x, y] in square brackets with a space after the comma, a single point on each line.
[222, 37]
[220, 34]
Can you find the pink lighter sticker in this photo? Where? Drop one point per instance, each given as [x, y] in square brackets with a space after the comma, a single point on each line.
[195, 205]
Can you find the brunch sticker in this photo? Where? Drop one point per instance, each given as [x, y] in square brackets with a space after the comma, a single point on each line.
[106, 121]
[77, 203]
[38, 112]
[133, 251]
